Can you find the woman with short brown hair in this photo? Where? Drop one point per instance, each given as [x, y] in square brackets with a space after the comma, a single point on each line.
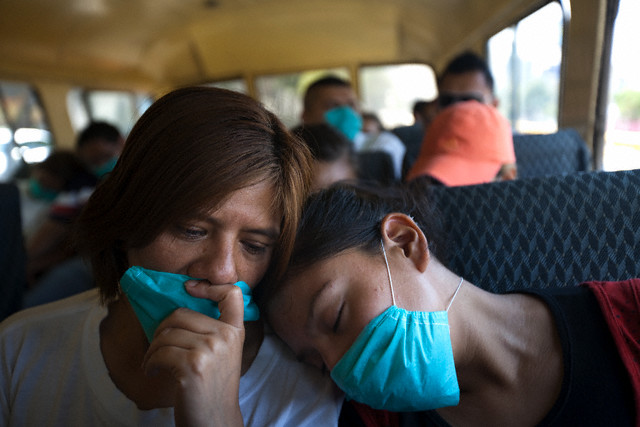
[209, 186]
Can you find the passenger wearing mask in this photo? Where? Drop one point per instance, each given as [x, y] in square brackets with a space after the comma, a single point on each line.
[99, 145]
[366, 300]
[59, 177]
[209, 187]
[332, 100]
[61, 172]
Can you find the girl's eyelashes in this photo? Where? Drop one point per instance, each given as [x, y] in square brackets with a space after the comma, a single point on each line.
[336, 324]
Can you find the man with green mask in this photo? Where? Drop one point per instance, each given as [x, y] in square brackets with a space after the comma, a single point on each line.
[332, 100]
[99, 145]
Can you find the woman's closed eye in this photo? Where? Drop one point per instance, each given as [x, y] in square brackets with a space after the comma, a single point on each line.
[190, 232]
[255, 248]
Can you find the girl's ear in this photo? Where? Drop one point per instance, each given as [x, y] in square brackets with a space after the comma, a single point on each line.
[399, 230]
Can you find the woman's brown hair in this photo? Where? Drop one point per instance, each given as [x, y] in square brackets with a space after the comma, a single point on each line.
[188, 153]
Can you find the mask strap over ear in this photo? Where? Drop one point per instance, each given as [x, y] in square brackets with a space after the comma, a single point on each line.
[393, 297]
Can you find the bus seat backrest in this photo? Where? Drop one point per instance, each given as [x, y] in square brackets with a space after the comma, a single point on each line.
[12, 252]
[557, 153]
[542, 232]
[376, 166]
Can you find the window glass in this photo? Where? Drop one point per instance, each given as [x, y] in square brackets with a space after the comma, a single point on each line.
[77, 109]
[389, 91]
[24, 132]
[525, 61]
[122, 109]
[622, 136]
[6, 144]
[283, 93]
[236, 85]
[119, 108]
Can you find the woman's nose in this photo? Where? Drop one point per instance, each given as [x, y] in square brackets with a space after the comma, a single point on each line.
[216, 263]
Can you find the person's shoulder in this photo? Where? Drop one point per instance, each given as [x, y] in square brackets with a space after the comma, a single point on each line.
[388, 138]
[51, 314]
[550, 291]
[410, 130]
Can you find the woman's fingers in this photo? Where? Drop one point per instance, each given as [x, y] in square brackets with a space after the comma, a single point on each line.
[228, 297]
[187, 330]
[204, 356]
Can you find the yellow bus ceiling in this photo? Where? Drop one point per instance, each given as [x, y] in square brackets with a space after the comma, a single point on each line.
[153, 43]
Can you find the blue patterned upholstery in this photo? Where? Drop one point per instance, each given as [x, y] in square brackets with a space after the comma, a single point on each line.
[12, 252]
[541, 232]
[558, 153]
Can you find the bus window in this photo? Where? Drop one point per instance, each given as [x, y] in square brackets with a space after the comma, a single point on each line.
[119, 108]
[24, 132]
[236, 85]
[525, 61]
[390, 91]
[282, 93]
[622, 136]
[6, 146]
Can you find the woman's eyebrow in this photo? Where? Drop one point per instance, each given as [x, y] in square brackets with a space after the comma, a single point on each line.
[270, 232]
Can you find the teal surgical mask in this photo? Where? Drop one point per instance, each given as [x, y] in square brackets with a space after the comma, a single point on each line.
[345, 119]
[154, 295]
[41, 193]
[401, 361]
[105, 168]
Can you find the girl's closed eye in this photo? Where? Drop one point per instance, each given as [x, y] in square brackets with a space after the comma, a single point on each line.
[336, 324]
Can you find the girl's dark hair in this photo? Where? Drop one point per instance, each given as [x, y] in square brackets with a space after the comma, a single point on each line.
[187, 154]
[349, 216]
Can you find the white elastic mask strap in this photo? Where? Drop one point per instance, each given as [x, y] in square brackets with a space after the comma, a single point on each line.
[386, 261]
[454, 294]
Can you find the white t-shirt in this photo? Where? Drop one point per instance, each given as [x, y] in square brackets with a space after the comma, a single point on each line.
[49, 378]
